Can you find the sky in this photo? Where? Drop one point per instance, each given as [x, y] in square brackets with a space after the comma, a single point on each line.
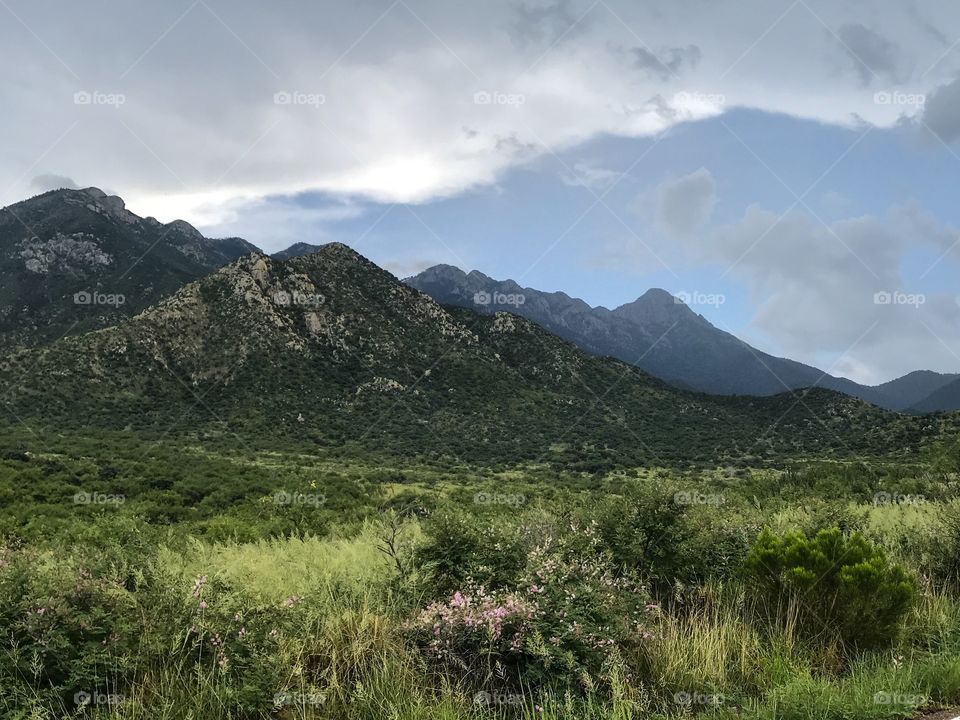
[791, 166]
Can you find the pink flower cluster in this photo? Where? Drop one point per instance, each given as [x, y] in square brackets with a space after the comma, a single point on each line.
[482, 618]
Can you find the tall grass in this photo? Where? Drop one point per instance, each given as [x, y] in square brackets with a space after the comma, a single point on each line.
[711, 659]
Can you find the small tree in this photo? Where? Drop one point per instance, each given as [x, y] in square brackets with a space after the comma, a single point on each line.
[844, 584]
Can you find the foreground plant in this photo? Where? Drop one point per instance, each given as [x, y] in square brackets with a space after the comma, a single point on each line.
[831, 583]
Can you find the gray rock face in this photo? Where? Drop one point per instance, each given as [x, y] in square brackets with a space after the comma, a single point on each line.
[78, 252]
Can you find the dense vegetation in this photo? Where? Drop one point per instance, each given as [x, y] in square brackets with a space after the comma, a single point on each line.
[147, 578]
[362, 361]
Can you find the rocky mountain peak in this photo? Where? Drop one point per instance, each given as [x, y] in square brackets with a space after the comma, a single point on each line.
[110, 205]
[185, 229]
[655, 306]
[441, 273]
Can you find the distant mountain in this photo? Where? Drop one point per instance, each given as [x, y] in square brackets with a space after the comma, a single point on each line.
[76, 260]
[944, 398]
[663, 336]
[903, 393]
[296, 250]
[328, 348]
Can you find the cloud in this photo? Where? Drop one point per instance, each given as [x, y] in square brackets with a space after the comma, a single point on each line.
[546, 23]
[275, 223]
[838, 290]
[872, 54]
[667, 63]
[43, 183]
[370, 103]
[941, 112]
[685, 205]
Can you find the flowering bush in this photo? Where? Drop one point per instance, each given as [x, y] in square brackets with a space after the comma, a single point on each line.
[479, 624]
[89, 627]
[236, 641]
[561, 617]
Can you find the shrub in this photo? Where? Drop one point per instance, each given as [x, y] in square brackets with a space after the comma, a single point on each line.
[834, 583]
[945, 548]
[459, 549]
[566, 615]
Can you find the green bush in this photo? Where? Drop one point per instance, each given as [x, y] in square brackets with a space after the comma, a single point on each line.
[834, 584]
[558, 613]
[459, 548]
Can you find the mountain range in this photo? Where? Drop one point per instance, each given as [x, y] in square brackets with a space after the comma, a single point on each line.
[662, 335]
[330, 349]
[75, 261]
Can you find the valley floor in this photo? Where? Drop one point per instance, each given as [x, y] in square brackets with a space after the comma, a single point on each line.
[134, 584]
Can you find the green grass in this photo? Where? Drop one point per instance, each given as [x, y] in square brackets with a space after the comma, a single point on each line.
[343, 650]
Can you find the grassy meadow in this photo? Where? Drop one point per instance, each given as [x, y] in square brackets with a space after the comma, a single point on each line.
[172, 581]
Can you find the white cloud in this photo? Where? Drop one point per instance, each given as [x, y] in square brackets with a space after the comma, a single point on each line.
[199, 127]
